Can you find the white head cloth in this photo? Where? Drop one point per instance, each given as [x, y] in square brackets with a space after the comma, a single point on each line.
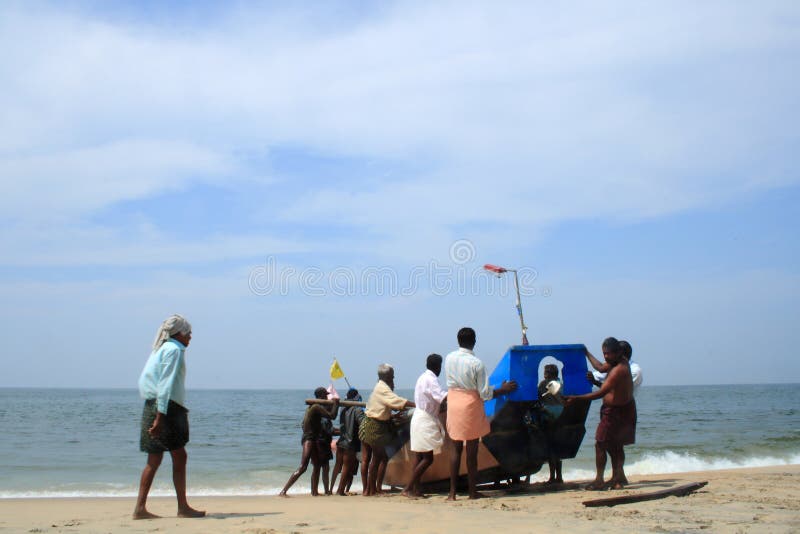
[174, 324]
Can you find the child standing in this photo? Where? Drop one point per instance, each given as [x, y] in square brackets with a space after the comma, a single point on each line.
[550, 396]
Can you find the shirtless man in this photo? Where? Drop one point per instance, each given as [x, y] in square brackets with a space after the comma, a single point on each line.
[597, 376]
[312, 428]
[617, 426]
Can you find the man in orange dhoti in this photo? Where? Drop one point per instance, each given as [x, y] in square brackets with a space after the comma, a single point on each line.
[467, 388]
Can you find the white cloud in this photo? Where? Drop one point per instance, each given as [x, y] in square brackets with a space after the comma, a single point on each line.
[73, 182]
[526, 114]
[75, 246]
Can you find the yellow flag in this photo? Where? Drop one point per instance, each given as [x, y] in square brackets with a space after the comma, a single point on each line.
[336, 371]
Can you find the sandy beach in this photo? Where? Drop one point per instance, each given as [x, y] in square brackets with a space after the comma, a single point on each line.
[741, 500]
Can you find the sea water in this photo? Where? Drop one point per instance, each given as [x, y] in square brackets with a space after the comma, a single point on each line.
[69, 442]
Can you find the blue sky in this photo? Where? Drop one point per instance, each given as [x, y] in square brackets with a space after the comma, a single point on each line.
[640, 159]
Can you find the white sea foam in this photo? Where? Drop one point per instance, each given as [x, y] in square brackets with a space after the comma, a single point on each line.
[649, 464]
[671, 462]
[131, 492]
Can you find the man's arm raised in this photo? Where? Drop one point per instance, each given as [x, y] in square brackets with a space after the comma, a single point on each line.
[603, 367]
[331, 412]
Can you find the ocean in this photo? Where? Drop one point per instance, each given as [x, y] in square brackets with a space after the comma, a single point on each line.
[85, 443]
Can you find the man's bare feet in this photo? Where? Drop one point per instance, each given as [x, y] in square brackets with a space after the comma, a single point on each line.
[596, 485]
[191, 512]
[144, 514]
[451, 497]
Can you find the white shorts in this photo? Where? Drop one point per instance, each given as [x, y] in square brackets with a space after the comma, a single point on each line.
[427, 433]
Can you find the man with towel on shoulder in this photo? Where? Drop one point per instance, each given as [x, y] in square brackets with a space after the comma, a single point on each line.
[467, 388]
[375, 431]
[427, 434]
[165, 420]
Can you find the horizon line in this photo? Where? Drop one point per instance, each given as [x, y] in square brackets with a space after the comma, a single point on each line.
[294, 388]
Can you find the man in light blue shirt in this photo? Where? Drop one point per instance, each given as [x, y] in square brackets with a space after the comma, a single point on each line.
[165, 421]
[164, 375]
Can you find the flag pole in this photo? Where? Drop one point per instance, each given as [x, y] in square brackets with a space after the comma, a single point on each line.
[499, 271]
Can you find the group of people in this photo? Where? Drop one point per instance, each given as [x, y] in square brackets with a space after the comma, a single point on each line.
[165, 426]
[467, 388]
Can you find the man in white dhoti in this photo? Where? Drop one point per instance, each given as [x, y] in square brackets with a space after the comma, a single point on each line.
[427, 433]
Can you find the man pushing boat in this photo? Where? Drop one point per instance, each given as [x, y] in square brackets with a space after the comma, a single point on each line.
[427, 434]
[467, 388]
[376, 432]
[617, 426]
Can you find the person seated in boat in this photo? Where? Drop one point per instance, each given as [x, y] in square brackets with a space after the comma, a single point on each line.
[349, 445]
[597, 377]
[376, 431]
[312, 431]
[617, 426]
[550, 396]
[427, 433]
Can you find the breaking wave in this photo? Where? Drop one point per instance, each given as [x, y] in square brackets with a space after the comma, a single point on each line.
[649, 464]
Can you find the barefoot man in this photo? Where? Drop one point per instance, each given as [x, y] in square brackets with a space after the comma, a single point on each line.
[375, 431]
[427, 434]
[467, 388]
[165, 421]
[349, 444]
[617, 426]
[312, 430]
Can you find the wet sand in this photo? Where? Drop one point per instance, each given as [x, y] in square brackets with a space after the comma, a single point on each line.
[739, 500]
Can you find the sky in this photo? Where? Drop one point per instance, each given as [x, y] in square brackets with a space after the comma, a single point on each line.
[309, 180]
